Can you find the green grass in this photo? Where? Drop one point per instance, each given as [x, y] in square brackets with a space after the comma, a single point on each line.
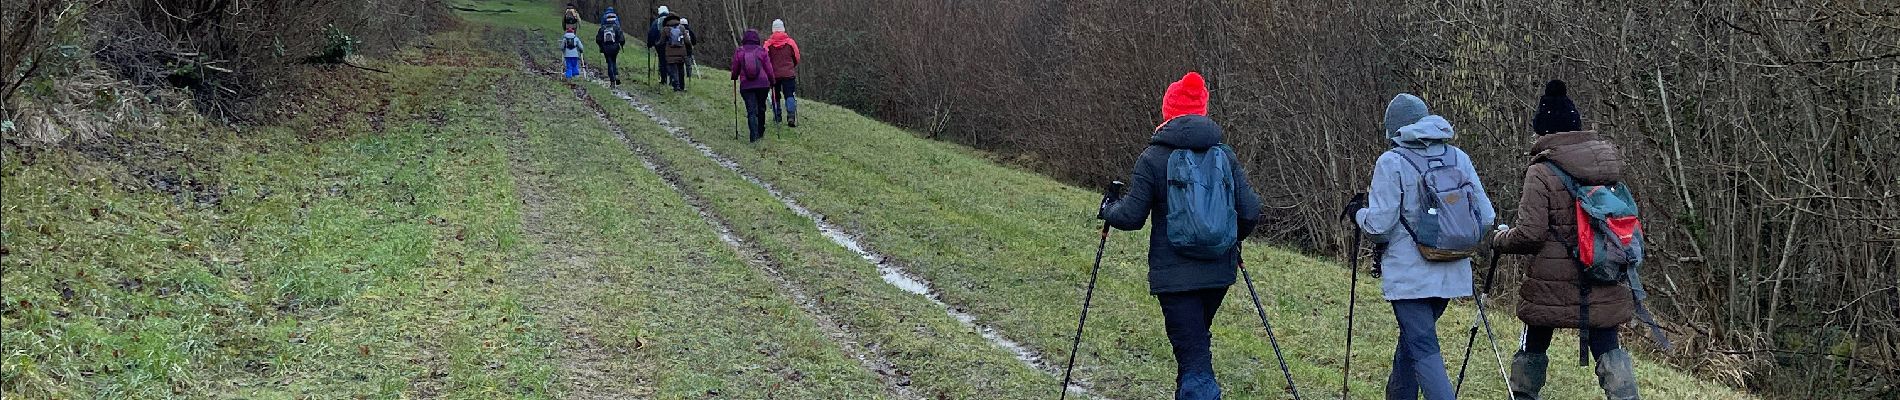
[338, 261]
[1014, 247]
[396, 236]
[709, 322]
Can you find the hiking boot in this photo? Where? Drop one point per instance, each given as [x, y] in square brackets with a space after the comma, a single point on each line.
[1617, 374]
[792, 121]
[1527, 375]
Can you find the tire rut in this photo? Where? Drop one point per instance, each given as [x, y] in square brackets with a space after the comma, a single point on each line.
[896, 382]
[892, 271]
[589, 368]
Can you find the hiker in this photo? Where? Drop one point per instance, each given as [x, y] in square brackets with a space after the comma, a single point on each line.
[693, 39]
[611, 39]
[1547, 219]
[673, 41]
[654, 36]
[752, 69]
[570, 18]
[571, 52]
[1188, 280]
[785, 58]
[1427, 203]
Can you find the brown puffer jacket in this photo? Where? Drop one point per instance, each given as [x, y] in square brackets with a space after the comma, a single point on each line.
[1549, 296]
[676, 54]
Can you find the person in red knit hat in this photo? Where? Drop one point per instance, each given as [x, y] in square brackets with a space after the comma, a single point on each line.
[1190, 263]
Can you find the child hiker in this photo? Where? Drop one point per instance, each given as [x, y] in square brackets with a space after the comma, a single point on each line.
[571, 53]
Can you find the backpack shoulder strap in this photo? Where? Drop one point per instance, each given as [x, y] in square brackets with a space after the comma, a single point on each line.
[1655, 330]
[1411, 158]
[1570, 183]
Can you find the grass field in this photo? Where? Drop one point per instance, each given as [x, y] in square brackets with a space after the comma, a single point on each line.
[460, 228]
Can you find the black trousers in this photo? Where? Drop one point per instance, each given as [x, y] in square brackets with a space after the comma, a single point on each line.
[613, 64]
[1537, 339]
[755, 111]
[1188, 316]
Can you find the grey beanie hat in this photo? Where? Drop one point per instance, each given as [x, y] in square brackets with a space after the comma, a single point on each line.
[1404, 109]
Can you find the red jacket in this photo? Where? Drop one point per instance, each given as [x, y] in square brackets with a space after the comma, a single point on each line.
[784, 53]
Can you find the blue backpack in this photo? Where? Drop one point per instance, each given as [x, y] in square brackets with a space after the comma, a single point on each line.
[1445, 225]
[1201, 216]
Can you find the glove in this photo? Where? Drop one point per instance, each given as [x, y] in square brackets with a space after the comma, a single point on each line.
[1353, 206]
[1497, 236]
[1110, 194]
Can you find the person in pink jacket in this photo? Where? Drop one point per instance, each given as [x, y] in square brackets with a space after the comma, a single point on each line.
[785, 58]
[752, 68]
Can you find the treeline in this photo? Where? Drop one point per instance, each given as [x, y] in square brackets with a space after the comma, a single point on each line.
[73, 66]
[1763, 133]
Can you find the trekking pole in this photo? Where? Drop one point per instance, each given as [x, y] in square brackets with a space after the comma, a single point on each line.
[1483, 320]
[735, 109]
[1114, 190]
[1352, 301]
[1248, 279]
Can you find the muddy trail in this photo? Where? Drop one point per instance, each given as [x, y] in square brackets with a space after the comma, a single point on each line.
[896, 381]
[890, 269]
[588, 367]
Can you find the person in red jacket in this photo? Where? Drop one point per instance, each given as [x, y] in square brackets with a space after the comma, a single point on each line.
[785, 58]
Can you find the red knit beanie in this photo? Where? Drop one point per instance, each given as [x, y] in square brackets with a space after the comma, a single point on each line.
[1187, 96]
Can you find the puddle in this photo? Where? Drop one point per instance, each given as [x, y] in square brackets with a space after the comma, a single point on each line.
[890, 272]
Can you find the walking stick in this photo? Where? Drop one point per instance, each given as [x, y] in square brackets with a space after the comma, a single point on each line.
[1483, 320]
[1352, 301]
[735, 109]
[1114, 190]
[1248, 278]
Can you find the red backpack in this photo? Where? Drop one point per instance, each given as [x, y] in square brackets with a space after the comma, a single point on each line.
[1609, 248]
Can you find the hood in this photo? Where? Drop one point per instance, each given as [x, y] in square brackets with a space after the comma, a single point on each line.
[1428, 131]
[751, 37]
[778, 39]
[1584, 155]
[1187, 96]
[1192, 132]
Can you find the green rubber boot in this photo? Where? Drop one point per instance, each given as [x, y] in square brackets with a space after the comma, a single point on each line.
[1527, 375]
[1617, 373]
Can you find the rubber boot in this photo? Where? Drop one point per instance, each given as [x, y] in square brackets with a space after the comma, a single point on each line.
[1617, 373]
[1527, 375]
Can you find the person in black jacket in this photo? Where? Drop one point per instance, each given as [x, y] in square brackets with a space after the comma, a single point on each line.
[610, 39]
[1189, 288]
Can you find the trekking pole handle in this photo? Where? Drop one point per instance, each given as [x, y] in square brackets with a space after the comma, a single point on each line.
[1115, 189]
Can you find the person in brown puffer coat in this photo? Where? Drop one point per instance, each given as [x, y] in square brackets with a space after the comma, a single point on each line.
[1550, 297]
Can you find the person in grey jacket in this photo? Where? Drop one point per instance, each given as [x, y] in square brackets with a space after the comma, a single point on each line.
[1418, 289]
[1189, 289]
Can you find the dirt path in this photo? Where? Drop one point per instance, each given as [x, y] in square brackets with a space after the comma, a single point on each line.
[896, 382]
[892, 271]
[560, 272]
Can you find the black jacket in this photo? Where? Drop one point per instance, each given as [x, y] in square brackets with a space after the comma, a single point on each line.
[1147, 198]
[613, 46]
